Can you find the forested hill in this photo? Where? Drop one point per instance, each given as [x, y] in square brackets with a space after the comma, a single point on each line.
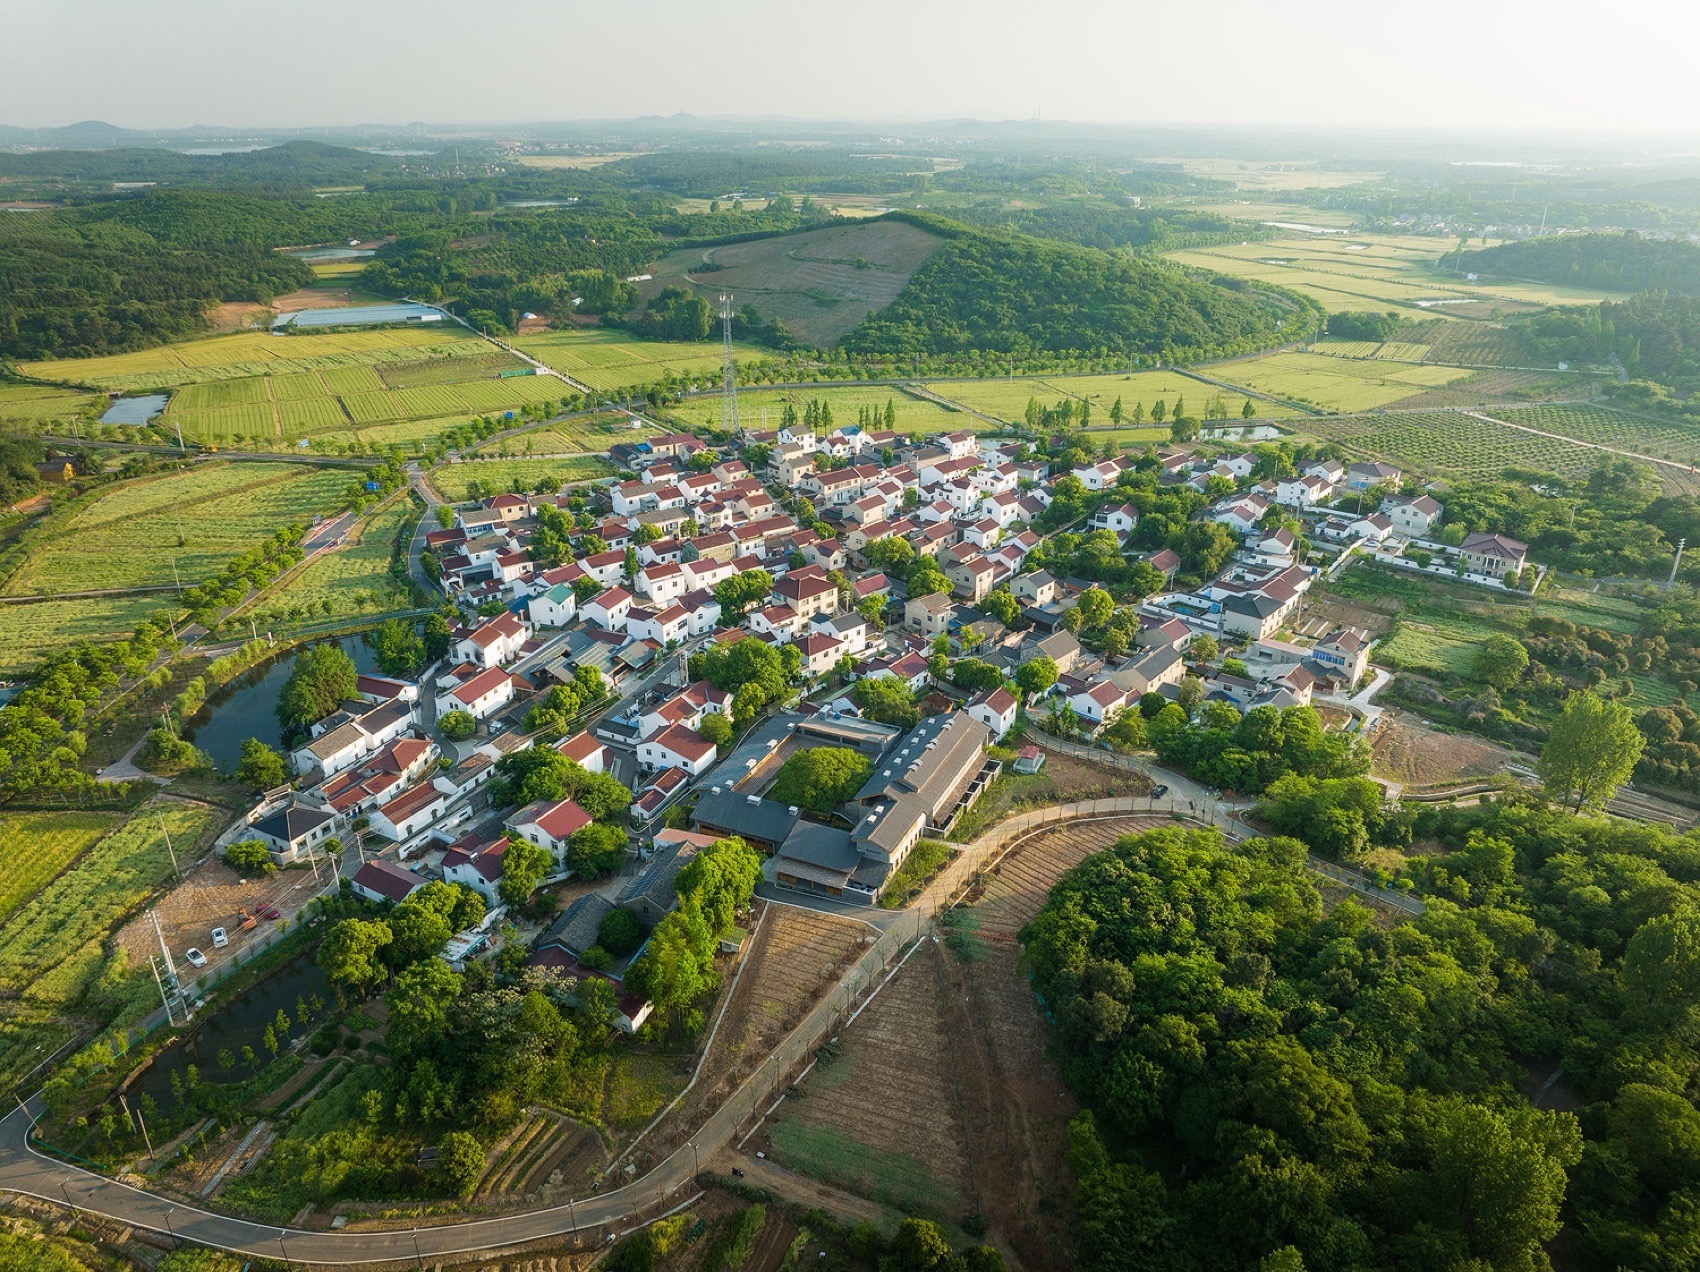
[295, 163]
[1002, 292]
[1275, 1084]
[1625, 262]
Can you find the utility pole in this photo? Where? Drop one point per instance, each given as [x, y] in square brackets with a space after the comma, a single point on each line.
[175, 578]
[728, 373]
[175, 869]
[164, 1000]
[170, 967]
[1677, 564]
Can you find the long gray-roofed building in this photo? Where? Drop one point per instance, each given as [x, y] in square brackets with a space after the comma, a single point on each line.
[761, 823]
[937, 762]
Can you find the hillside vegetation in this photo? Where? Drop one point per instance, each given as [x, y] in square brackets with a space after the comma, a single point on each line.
[1611, 262]
[1012, 294]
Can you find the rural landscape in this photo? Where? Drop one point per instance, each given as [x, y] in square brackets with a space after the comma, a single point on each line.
[717, 694]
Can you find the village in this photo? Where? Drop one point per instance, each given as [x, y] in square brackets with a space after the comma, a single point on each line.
[921, 616]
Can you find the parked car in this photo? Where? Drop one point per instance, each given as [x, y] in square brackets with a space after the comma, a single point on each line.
[1159, 790]
[268, 911]
[195, 956]
[220, 938]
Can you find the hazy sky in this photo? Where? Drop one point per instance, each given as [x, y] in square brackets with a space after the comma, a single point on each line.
[1495, 64]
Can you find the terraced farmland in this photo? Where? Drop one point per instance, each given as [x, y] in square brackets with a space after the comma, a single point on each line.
[605, 358]
[1451, 444]
[1336, 384]
[1662, 439]
[32, 405]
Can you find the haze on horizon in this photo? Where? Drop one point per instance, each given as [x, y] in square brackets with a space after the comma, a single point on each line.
[1500, 65]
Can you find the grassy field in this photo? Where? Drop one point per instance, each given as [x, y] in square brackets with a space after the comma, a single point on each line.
[131, 533]
[32, 406]
[914, 415]
[1367, 272]
[605, 358]
[1253, 175]
[587, 433]
[52, 948]
[355, 579]
[454, 481]
[30, 632]
[1334, 383]
[1007, 399]
[35, 847]
[820, 283]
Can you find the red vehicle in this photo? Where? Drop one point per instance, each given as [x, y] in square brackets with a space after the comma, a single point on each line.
[268, 911]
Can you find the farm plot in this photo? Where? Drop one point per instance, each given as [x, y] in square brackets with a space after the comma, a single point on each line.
[565, 437]
[254, 353]
[225, 425]
[52, 947]
[28, 633]
[354, 579]
[413, 375]
[606, 359]
[1452, 444]
[795, 958]
[1602, 426]
[311, 415]
[35, 847]
[1485, 388]
[130, 534]
[1007, 399]
[1474, 344]
[213, 394]
[883, 1118]
[1025, 876]
[32, 405]
[352, 380]
[913, 415]
[297, 386]
[457, 482]
[1337, 384]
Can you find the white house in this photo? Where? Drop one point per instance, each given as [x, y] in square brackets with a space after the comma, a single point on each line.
[493, 643]
[549, 824]
[1413, 515]
[664, 626]
[677, 747]
[381, 881]
[1099, 702]
[478, 866]
[996, 709]
[662, 582]
[585, 751]
[410, 812]
[557, 607]
[480, 696]
[608, 609]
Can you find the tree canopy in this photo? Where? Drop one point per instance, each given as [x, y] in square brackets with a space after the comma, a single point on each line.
[820, 778]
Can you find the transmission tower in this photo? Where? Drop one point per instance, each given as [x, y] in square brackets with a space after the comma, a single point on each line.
[729, 380]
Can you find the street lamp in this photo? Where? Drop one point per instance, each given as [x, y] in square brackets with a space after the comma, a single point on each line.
[65, 1188]
[572, 1215]
[416, 1253]
[281, 1246]
[695, 1160]
[170, 1231]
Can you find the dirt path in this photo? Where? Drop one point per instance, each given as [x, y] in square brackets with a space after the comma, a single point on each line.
[764, 1172]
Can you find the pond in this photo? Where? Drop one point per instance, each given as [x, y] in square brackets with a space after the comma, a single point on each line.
[241, 1023]
[134, 410]
[247, 706]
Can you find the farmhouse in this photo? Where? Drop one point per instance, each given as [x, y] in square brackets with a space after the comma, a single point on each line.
[383, 881]
[1494, 554]
[293, 832]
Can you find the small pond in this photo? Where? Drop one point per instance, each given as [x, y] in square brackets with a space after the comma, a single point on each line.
[311, 254]
[247, 706]
[134, 410]
[241, 1023]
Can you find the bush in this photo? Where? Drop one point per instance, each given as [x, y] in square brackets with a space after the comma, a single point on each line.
[249, 856]
[620, 932]
[596, 959]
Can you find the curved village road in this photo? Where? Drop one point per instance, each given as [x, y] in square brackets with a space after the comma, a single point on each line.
[23, 1170]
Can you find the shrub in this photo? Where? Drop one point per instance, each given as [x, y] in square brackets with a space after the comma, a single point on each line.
[249, 856]
[457, 726]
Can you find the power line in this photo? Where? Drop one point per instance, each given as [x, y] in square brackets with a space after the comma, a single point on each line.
[729, 376]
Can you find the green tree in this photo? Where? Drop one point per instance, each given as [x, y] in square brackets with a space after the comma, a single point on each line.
[1095, 605]
[886, 700]
[596, 849]
[460, 1162]
[739, 592]
[1203, 648]
[457, 725]
[715, 728]
[397, 646]
[719, 881]
[820, 778]
[1001, 604]
[920, 1246]
[619, 932]
[321, 680]
[1591, 750]
[523, 866]
[435, 638]
[352, 953]
[261, 767]
[1500, 661]
[1036, 675]
[421, 1004]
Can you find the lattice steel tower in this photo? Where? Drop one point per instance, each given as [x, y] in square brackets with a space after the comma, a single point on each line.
[729, 377]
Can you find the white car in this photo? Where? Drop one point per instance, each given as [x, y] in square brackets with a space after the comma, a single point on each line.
[195, 956]
[220, 938]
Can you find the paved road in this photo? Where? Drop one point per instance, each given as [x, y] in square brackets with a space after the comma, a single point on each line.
[427, 522]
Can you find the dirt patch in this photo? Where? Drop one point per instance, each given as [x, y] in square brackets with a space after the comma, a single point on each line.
[1409, 752]
[211, 895]
[313, 298]
[531, 326]
[794, 959]
[238, 315]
